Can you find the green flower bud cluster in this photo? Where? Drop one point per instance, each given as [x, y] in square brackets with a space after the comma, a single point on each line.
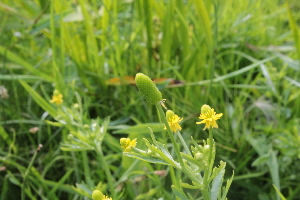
[148, 88]
[153, 154]
[201, 154]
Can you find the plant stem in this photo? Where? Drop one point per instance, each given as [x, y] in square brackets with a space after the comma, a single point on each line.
[174, 178]
[109, 177]
[208, 171]
[184, 144]
[163, 117]
[211, 148]
[86, 168]
[177, 151]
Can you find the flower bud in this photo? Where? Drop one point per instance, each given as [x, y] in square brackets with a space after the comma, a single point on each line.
[150, 153]
[76, 106]
[86, 126]
[148, 88]
[206, 147]
[199, 156]
[70, 137]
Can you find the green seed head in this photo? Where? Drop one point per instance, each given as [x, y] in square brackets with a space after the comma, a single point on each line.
[148, 88]
[169, 114]
[205, 108]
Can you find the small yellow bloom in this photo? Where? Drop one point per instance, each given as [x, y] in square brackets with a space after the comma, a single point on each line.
[57, 98]
[173, 121]
[127, 144]
[97, 195]
[209, 117]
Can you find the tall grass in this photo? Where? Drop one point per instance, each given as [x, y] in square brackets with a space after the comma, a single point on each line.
[241, 57]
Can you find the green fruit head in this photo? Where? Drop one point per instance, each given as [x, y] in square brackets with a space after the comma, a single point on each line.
[205, 108]
[148, 88]
[169, 114]
[97, 195]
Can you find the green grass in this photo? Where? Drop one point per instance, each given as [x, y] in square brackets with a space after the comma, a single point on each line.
[241, 57]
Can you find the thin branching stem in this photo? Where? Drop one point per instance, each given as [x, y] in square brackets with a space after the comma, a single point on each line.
[170, 133]
[177, 151]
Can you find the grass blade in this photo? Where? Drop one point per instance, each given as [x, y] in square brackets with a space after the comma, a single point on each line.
[39, 99]
[16, 59]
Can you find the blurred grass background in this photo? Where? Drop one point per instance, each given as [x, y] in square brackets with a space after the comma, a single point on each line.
[241, 57]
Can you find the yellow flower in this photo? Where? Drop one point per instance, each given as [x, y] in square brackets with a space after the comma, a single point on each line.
[209, 117]
[97, 195]
[173, 121]
[127, 144]
[57, 98]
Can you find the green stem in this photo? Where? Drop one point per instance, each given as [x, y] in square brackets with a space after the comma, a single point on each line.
[109, 177]
[86, 168]
[208, 171]
[177, 151]
[211, 147]
[174, 178]
[163, 117]
[183, 143]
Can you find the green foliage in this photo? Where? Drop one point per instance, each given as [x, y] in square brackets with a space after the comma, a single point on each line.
[240, 56]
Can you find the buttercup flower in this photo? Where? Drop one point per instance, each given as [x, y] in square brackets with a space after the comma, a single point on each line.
[127, 144]
[97, 195]
[57, 98]
[173, 121]
[209, 117]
